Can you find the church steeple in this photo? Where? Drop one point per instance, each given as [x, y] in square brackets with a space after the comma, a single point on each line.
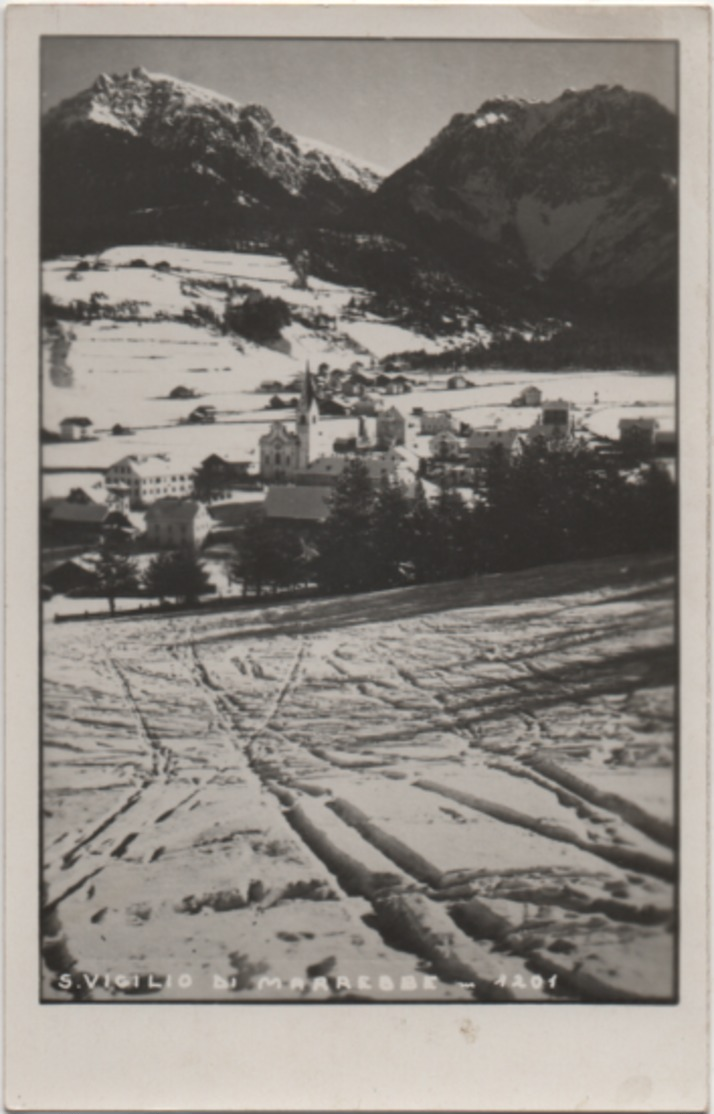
[308, 419]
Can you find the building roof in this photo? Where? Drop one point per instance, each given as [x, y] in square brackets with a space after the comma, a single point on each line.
[447, 433]
[485, 438]
[302, 504]
[392, 414]
[146, 467]
[278, 431]
[405, 455]
[173, 510]
[638, 423]
[83, 514]
[77, 421]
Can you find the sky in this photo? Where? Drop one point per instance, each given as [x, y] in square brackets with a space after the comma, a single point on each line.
[381, 101]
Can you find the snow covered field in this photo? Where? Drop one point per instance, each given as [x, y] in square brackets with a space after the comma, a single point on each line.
[123, 371]
[448, 792]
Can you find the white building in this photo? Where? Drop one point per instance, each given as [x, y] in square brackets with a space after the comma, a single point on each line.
[445, 445]
[150, 478]
[482, 441]
[434, 421]
[556, 421]
[177, 523]
[394, 428]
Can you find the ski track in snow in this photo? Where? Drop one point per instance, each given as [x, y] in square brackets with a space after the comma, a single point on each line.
[466, 780]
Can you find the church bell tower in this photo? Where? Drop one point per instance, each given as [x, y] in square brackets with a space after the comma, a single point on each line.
[308, 422]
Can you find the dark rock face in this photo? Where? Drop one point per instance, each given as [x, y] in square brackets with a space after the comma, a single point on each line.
[579, 193]
[147, 155]
[563, 208]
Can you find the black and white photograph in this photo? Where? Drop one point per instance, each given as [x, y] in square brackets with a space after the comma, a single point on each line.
[358, 568]
[358, 521]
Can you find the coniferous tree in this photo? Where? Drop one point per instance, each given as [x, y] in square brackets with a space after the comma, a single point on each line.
[345, 552]
[268, 554]
[390, 535]
[177, 574]
[116, 572]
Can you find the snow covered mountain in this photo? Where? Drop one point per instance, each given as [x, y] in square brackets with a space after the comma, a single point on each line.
[579, 193]
[519, 212]
[145, 152]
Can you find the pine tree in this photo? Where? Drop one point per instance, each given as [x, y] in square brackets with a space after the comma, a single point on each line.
[178, 574]
[268, 554]
[116, 572]
[345, 553]
[390, 537]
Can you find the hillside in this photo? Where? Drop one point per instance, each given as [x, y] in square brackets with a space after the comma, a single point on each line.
[537, 216]
[462, 791]
[146, 156]
[578, 194]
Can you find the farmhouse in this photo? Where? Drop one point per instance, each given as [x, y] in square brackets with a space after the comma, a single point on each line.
[481, 441]
[393, 428]
[641, 430]
[150, 478]
[367, 407]
[221, 476]
[75, 576]
[446, 445]
[173, 523]
[202, 415]
[556, 421]
[75, 429]
[433, 421]
[529, 396]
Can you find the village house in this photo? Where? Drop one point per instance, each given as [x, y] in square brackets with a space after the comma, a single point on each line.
[394, 428]
[556, 421]
[641, 430]
[368, 407]
[75, 429]
[79, 519]
[222, 475]
[481, 441]
[74, 576]
[393, 384]
[529, 396]
[458, 383]
[447, 445]
[434, 421]
[202, 415]
[150, 478]
[177, 523]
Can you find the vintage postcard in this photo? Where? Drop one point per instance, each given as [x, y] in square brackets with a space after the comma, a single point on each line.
[357, 448]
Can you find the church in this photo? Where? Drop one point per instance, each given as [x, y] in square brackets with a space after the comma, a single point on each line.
[284, 453]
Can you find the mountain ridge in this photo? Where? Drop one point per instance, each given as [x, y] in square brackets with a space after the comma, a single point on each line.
[531, 208]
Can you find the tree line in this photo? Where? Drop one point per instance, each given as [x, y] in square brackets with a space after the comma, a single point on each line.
[544, 506]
